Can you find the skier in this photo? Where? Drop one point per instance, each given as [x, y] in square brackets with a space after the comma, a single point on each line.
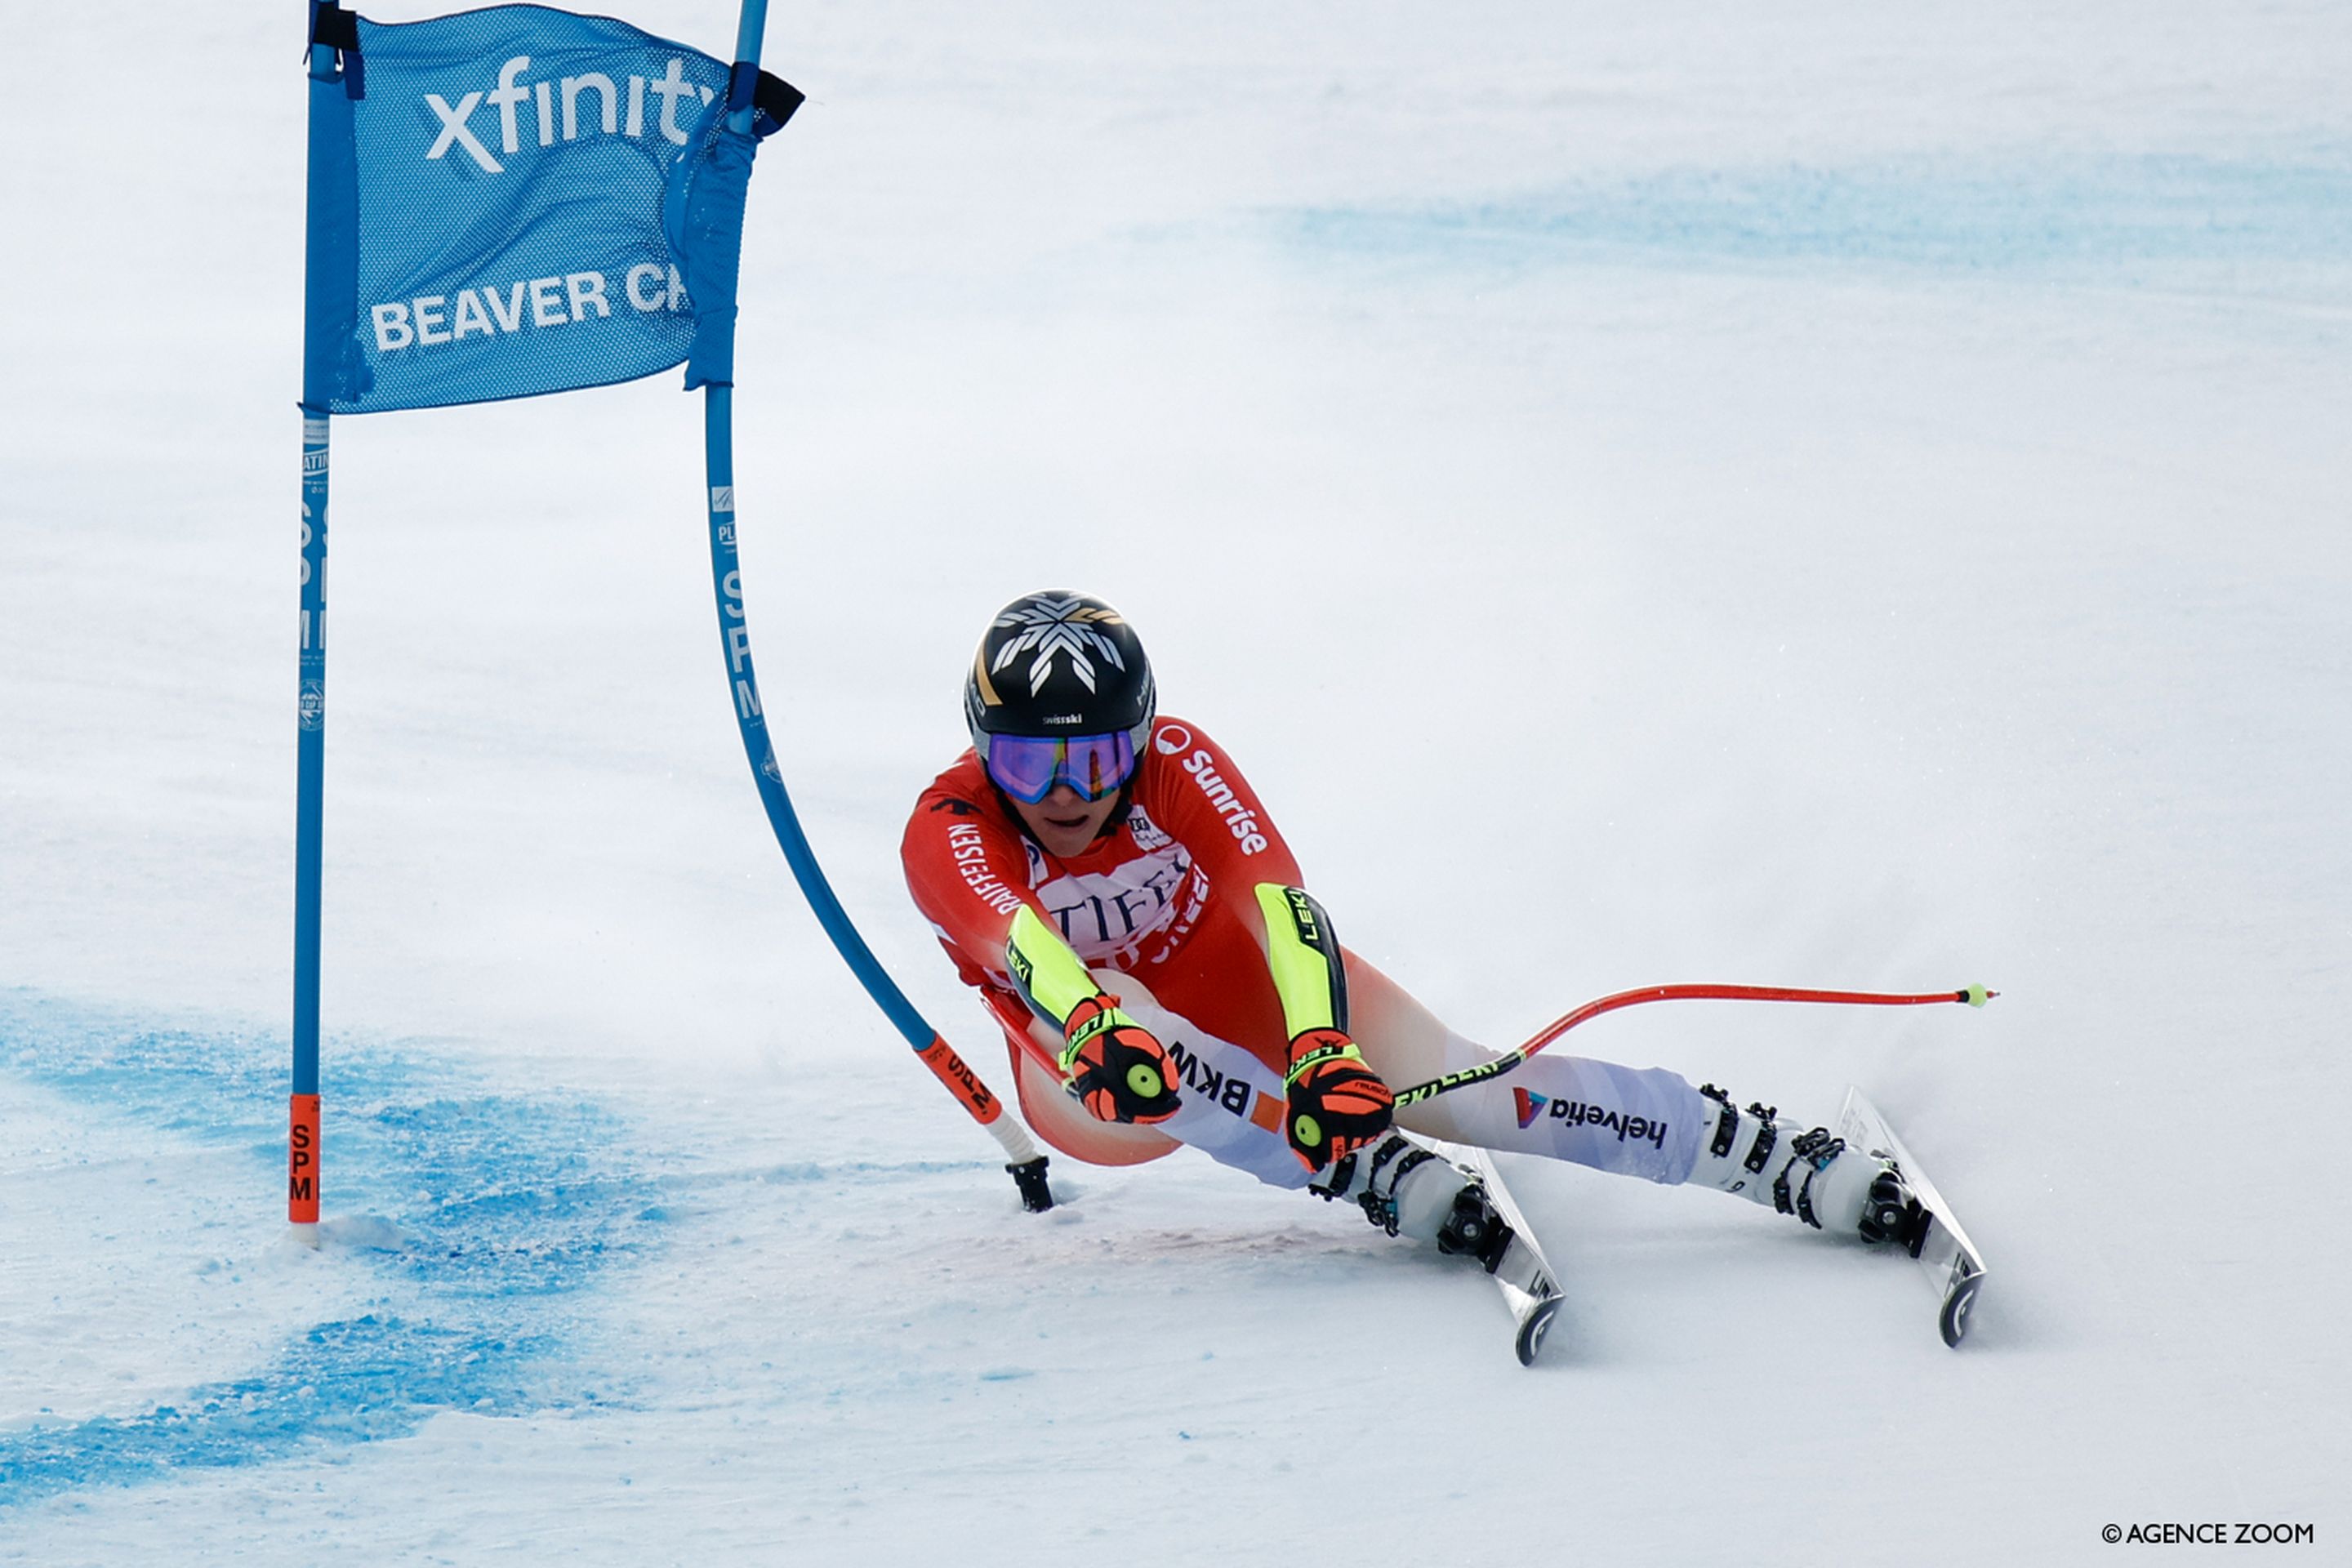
[1108, 880]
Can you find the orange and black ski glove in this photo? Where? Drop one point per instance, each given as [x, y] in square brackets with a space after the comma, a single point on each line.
[1115, 1067]
[1336, 1105]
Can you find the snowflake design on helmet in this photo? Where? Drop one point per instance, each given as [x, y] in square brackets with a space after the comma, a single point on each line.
[1051, 627]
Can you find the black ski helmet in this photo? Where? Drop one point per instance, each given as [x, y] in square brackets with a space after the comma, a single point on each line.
[1058, 663]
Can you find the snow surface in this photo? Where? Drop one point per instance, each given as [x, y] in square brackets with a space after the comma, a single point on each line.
[1834, 494]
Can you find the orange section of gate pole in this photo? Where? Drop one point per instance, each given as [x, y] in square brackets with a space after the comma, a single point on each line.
[302, 1162]
[961, 1081]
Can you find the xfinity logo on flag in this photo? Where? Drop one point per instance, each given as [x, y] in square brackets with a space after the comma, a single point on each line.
[604, 100]
[448, 281]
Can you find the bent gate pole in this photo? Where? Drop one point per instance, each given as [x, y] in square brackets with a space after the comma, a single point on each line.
[1026, 1165]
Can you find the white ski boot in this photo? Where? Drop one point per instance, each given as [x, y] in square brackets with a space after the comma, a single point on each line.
[1402, 1186]
[1408, 1189]
[1806, 1172]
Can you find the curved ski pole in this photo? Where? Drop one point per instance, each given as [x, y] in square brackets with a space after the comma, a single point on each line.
[1025, 1163]
[1972, 995]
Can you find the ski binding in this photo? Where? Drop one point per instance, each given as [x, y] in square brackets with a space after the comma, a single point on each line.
[1512, 1258]
[1953, 1266]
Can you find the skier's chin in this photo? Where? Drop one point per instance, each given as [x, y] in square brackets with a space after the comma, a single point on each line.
[1063, 840]
[1064, 827]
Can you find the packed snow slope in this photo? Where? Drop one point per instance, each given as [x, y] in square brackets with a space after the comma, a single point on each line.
[1833, 494]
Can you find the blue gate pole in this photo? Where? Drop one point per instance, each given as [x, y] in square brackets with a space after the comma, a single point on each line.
[310, 708]
[309, 799]
[1026, 1165]
[750, 33]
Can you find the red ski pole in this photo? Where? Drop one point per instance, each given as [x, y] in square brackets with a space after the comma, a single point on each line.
[1973, 996]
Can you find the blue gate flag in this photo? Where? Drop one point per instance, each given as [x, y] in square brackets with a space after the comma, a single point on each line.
[516, 201]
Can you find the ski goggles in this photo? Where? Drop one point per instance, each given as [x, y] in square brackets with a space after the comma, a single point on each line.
[1027, 767]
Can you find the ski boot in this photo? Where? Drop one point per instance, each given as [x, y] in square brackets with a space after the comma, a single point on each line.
[1409, 1190]
[1810, 1175]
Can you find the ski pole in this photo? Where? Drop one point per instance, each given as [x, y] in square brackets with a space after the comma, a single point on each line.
[1973, 996]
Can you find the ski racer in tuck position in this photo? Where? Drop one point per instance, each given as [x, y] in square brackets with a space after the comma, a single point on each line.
[1106, 880]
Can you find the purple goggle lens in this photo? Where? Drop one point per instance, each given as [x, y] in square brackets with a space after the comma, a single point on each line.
[1027, 767]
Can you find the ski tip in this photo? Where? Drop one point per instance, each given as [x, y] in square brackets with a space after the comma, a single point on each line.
[1954, 1319]
[1533, 1328]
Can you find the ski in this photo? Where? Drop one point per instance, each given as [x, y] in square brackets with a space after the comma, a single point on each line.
[1517, 1265]
[1953, 1265]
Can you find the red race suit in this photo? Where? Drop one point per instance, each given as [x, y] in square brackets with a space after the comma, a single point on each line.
[1169, 895]
[1166, 895]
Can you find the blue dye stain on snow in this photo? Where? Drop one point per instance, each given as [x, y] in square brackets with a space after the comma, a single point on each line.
[508, 1207]
[2124, 219]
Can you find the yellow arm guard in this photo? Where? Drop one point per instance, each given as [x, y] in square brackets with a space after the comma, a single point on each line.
[1303, 956]
[1052, 980]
